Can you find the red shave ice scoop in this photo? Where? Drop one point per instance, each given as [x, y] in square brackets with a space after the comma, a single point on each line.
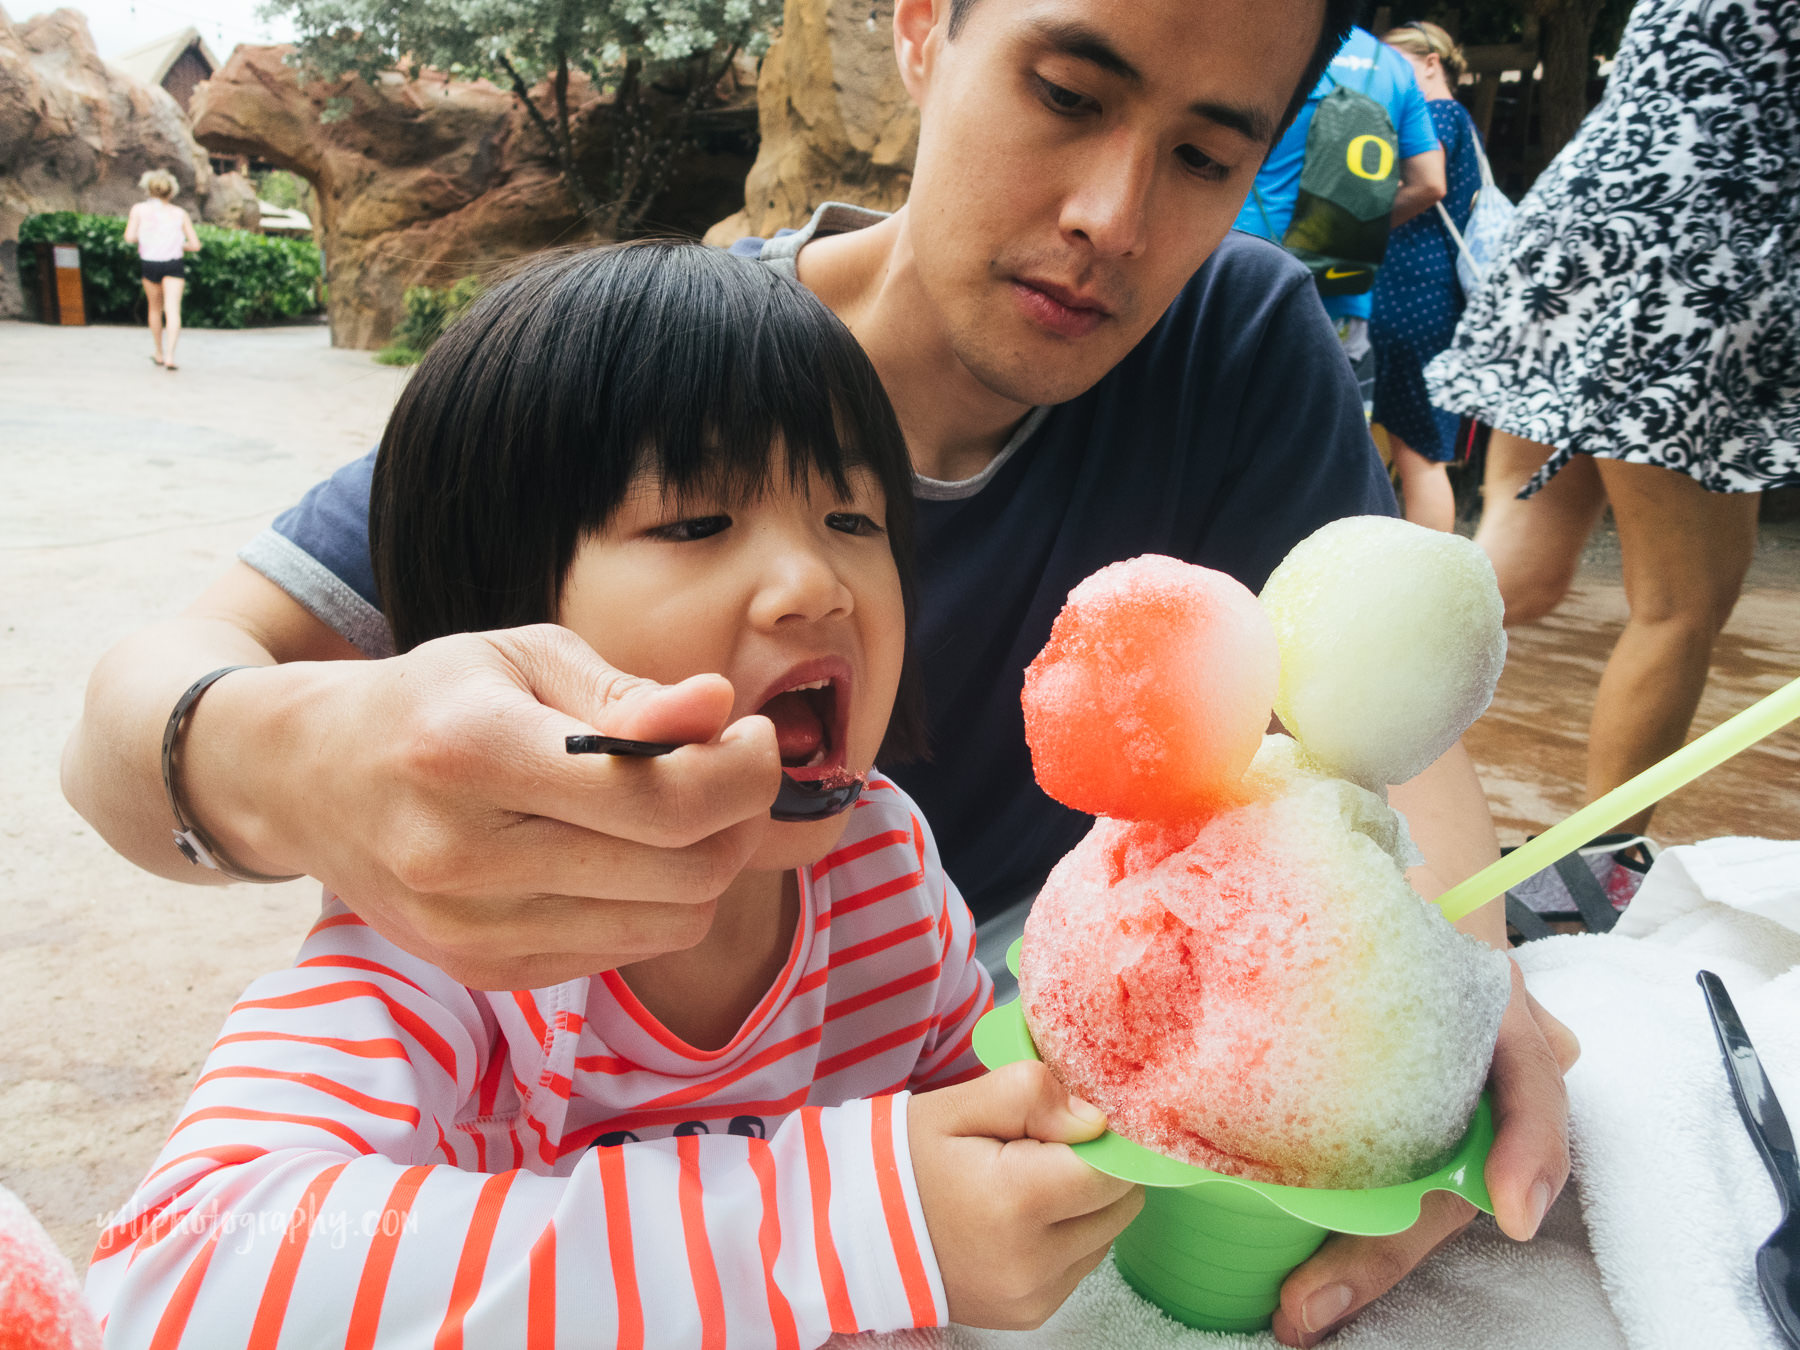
[797, 801]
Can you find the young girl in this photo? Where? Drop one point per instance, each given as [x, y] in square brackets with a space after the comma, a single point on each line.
[164, 236]
[688, 461]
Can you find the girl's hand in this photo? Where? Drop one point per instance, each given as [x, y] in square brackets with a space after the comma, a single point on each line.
[1016, 1218]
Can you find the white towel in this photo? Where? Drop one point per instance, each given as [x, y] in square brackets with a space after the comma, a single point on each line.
[1675, 1200]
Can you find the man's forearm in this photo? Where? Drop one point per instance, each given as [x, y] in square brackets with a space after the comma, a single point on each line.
[112, 764]
[1447, 811]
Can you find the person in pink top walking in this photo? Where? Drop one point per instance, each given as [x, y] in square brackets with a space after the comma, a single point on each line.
[164, 237]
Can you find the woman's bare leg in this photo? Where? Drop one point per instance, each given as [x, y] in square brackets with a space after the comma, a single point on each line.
[1424, 487]
[153, 296]
[1685, 551]
[172, 289]
[1535, 545]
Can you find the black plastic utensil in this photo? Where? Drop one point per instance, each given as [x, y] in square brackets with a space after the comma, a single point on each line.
[796, 801]
[1778, 1259]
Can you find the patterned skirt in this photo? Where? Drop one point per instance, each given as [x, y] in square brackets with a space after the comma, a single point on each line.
[1647, 307]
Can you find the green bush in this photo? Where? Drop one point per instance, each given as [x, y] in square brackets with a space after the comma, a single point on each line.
[237, 279]
[429, 312]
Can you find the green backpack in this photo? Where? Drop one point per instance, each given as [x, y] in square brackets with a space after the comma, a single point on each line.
[1348, 180]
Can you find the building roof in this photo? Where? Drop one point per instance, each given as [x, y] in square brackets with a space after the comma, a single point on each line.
[151, 62]
[281, 220]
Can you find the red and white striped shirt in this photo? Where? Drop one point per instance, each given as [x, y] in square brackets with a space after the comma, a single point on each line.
[375, 1154]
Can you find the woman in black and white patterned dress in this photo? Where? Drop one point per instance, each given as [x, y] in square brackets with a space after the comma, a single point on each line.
[1639, 345]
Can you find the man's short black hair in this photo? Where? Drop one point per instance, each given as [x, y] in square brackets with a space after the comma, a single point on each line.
[1340, 16]
[527, 422]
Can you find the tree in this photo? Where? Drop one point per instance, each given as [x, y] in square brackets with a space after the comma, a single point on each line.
[1572, 35]
[660, 61]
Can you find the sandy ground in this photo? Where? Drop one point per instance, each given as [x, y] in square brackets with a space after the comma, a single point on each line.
[130, 488]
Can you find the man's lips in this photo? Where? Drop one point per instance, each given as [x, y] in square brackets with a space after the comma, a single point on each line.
[1065, 312]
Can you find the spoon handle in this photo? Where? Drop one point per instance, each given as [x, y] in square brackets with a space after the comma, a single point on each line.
[616, 745]
[1762, 1114]
[795, 800]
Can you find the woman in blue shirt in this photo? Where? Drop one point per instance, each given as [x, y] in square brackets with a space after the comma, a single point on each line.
[1417, 299]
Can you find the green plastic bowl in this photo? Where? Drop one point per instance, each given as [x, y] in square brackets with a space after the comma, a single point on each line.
[1212, 1250]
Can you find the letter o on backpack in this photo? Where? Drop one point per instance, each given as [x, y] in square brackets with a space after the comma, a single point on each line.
[1357, 157]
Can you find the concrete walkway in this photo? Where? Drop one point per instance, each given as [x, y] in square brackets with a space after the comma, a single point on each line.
[129, 488]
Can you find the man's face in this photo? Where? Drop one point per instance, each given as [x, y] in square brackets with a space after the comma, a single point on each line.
[1078, 160]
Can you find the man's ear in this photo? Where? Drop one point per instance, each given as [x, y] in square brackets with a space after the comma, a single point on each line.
[921, 27]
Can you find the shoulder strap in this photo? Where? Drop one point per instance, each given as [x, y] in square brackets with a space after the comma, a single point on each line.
[1456, 234]
[1487, 172]
[1263, 211]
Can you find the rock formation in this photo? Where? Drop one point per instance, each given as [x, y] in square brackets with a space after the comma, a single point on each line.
[836, 122]
[419, 181]
[76, 133]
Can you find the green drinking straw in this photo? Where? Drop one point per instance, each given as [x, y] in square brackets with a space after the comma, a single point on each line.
[1652, 785]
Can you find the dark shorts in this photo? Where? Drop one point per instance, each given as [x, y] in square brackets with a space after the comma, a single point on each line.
[162, 271]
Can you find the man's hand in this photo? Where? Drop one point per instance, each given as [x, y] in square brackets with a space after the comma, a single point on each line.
[432, 791]
[1016, 1218]
[1525, 1171]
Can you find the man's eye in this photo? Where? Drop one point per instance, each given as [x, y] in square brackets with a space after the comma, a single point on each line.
[852, 522]
[1059, 99]
[1204, 165]
[687, 531]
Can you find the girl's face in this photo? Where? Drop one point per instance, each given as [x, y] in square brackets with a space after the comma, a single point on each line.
[792, 596]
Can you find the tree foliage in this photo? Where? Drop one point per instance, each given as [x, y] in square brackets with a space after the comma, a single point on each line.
[660, 61]
[429, 311]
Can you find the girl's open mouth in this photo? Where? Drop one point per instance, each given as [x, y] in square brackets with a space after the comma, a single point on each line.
[811, 718]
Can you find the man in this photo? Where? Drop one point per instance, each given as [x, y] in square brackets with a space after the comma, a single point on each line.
[1369, 66]
[1085, 368]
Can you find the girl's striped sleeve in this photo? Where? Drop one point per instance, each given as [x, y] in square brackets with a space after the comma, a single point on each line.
[964, 990]
[309, 1196]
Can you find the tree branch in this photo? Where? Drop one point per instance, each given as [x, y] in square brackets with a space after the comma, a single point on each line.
[524, 96]
[584, 200]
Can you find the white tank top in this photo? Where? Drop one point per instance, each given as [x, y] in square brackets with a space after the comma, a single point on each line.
[159, 232]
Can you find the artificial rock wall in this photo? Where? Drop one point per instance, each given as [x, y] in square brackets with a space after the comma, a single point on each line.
[76, 134]
[420, 182]
[836, 122]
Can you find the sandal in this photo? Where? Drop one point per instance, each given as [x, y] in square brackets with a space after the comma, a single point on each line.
[1581, 892]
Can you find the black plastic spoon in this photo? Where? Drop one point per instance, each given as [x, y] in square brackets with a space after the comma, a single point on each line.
[1778, 1259]
[796, 801]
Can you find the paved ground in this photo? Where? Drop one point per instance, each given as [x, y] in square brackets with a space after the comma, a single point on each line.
[130, 487]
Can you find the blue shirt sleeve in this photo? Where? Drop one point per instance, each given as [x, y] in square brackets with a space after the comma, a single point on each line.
[318, 552]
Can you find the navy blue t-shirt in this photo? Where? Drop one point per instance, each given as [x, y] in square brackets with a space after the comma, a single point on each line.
[1230, 433]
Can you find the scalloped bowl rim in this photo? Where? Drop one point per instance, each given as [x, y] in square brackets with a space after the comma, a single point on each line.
[1002, 1037]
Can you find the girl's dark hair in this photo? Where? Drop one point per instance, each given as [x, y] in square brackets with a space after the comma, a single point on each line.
[526, 422]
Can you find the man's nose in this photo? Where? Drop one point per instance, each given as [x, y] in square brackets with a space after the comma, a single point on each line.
[799, 584]
[1110, 206]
